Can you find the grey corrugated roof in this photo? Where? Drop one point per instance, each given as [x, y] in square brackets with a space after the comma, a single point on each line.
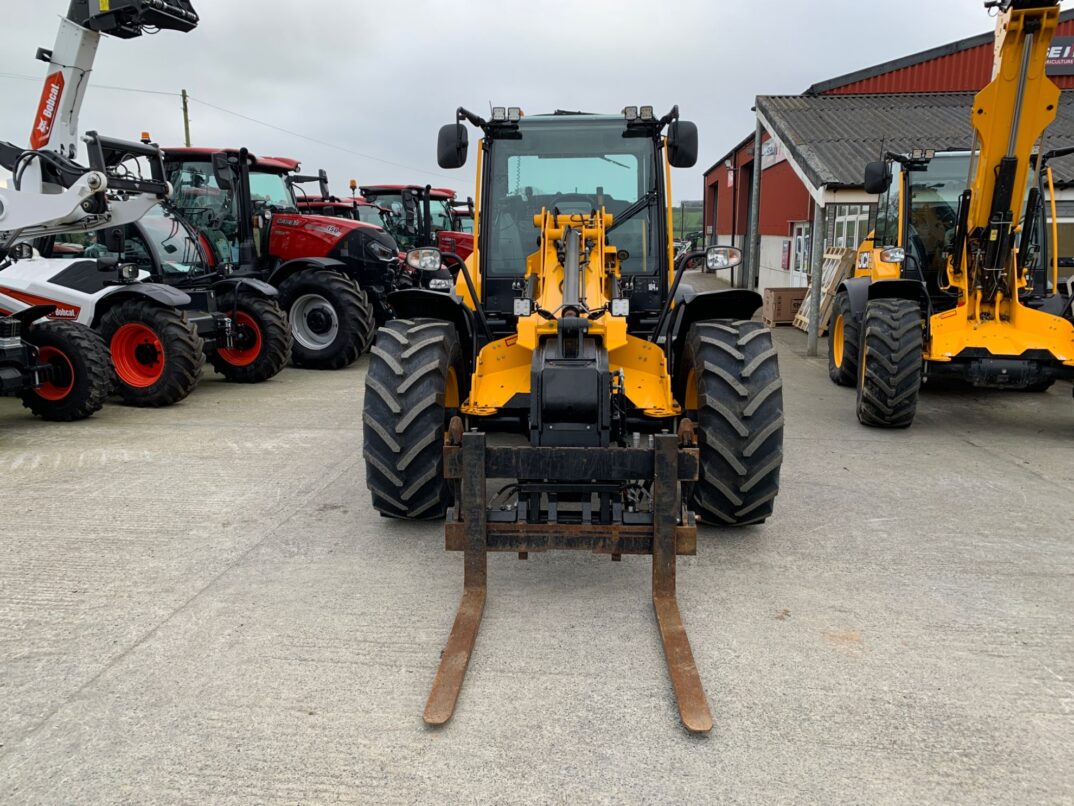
[831, 137]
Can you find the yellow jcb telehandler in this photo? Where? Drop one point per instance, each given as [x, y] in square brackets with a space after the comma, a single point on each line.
[642, 401]
[961, 280]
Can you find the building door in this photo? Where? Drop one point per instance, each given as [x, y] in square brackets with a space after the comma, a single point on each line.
[800, 254]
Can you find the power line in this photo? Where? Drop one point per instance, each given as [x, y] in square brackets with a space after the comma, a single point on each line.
[226, 111]
[319, 142]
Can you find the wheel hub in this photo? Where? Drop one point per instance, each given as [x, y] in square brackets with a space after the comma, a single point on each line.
[319, 321]
[147, 354]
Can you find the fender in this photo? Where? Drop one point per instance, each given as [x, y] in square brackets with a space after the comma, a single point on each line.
[290, 267]
[246, 284]
[157, 292]
[857, 289]
[901, 289]
[421, 303]
[730, 303]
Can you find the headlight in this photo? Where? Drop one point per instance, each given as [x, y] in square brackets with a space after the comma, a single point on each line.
[128, 272]
[424, 259]
[380, 251]
[621, 307]
[440, 284]
[893, 254]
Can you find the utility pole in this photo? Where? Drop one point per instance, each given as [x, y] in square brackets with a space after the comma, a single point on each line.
[186, 118]
[816, 277]
[753, 245]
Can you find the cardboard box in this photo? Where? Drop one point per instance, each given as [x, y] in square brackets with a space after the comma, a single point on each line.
[781, 304]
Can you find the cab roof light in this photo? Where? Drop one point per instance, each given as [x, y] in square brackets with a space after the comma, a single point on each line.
[499, 113]
[646, 113]
[514, 113]
[630, 113]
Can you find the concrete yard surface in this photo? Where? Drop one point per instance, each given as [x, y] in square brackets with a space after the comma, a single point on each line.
[199, 605]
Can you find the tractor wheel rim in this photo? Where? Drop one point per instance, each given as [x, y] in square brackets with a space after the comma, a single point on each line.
[138, 355]
[838, 344]
[63, 372]
[314, 322]
[246, 327]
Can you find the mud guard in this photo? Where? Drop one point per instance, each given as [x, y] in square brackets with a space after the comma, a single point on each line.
[901, 289]
[286, 269]
[421, 303]
[730, 303]
[857, 289]
[159, 293]
[247, 284]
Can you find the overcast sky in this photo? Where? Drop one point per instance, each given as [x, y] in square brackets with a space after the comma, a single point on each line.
[379, 78]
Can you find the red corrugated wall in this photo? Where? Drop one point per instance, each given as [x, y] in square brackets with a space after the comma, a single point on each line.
[966, 71]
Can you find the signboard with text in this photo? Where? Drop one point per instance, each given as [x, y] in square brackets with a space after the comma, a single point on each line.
[1061, 56]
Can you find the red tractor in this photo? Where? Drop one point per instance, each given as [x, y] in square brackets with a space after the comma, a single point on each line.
[355, 208]
[333, 273]
[422, 216]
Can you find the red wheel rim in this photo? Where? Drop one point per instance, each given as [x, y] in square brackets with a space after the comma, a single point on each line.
[247, 326]
[63, 372]
[138, 355]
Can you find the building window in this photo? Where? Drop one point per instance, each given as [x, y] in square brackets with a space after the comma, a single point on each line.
[848, 224]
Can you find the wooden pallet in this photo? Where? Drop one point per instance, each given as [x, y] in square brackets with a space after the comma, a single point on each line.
[838, 265]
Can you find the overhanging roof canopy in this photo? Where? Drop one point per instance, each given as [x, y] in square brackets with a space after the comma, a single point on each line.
[830, 138]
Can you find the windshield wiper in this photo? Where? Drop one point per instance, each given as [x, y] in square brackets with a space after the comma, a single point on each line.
[614, 162]
[641, 204]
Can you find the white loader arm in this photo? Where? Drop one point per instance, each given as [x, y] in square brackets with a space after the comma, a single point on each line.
[52, 193]
[71, 59]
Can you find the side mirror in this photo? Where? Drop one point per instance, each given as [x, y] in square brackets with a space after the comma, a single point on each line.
[682, 144]
[877, 177]
[222, 170]
[451, 146]
[722, 257]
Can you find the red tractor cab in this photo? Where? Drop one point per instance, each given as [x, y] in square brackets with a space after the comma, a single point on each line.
[422, 216]
[355, 208]
[464, 216]
[333, 273]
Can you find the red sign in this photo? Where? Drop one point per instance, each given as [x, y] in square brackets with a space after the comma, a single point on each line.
[47, 111]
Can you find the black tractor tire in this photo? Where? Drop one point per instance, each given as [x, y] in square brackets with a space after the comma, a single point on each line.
[332, 321]
[890, 365]
[844, 342]
[734, 395]
[82, 372]
[262, 339]
[409, 401]
[157, 354]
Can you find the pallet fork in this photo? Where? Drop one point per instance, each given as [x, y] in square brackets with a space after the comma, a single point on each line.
[476, 530]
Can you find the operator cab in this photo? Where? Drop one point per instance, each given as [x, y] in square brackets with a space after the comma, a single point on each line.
[575, 164]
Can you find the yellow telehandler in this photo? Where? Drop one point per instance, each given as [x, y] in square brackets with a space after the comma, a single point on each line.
[960, 277]
[643, 403]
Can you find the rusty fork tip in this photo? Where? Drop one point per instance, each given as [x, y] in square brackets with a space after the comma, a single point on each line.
[697, 725]
[435, 720]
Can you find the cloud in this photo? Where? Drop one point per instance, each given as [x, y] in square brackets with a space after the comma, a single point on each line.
[379, 78]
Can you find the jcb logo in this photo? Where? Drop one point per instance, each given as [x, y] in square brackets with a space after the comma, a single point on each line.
[46, 111]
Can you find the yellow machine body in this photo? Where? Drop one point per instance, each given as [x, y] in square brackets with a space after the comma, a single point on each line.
[1009, 118]
[503, 366]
